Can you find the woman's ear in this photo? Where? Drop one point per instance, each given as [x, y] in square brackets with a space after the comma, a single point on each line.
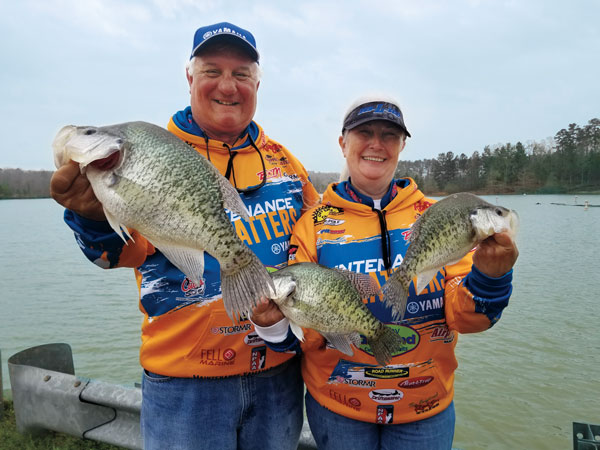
[342, 145]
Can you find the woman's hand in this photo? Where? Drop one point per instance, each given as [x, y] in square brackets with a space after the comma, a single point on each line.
[496, 255]
[266, 313]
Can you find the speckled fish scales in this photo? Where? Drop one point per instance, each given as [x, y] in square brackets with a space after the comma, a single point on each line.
[161, 187]
[443, 235]
[330, 302]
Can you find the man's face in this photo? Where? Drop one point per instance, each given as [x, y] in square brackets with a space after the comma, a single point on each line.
[223, 91]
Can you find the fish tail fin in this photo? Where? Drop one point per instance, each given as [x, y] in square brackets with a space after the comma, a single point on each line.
[395, 295]
[244, 288]
[385, 344]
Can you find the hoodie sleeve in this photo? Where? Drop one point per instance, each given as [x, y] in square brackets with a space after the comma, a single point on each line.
[105, 248]
[474, 301]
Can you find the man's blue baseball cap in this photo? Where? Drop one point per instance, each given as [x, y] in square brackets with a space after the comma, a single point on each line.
[227, 32]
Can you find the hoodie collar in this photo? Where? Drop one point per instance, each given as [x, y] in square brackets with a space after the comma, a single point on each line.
[348, 192]
[185, 122]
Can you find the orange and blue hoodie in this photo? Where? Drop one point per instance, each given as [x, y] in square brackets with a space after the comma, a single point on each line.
[186, 331]
[347, 232]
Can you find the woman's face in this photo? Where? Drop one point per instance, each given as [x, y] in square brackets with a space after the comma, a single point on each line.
[371, 151]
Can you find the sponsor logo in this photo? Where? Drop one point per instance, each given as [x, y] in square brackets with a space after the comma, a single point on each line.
[422, 206]
[330, 231]
[333, 222]
[409, 338]
[253, 339]
[414, 383]
[258, 358]
[217, 356]
[406, 234]
[385, 414]
[426, 405]
[234, 329]
[425, 305]
[274, 172]
[280, 247]
[386, 395]
[442, 333]
[351, 402]
[386, 373]
[356, 382]
[190, 289]
[272, 147]
[322, 212]
[292, 252]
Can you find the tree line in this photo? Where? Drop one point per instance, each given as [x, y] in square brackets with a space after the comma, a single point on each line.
[567, 163]
[17, 183]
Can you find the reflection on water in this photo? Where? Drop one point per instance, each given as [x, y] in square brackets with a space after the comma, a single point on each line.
[519, 385]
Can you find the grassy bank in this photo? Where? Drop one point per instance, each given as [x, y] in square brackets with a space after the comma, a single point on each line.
[11, 439]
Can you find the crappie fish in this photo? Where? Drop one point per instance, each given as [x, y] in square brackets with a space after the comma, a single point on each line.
[329, 301]
[149, 180]
[443, 235]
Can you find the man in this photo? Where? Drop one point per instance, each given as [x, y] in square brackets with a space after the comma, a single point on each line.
[207, 382]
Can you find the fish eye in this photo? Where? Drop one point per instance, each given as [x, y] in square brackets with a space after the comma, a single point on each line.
[499, 211]
[89, 131]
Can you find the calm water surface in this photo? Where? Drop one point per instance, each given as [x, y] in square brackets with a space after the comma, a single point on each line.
[519, 385]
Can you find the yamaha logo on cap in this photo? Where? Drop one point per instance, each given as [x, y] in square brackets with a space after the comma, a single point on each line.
[225, 30]
[368, 112]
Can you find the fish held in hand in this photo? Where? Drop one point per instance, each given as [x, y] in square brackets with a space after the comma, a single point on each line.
[330, 302]
[149, 180]
[443, 235]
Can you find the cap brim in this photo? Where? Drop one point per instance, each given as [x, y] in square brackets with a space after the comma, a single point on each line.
[372, 119]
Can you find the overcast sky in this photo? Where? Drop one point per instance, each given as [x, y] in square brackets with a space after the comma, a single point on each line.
[467, 73]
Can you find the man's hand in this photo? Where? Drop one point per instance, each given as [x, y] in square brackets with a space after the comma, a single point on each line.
[72, 190]
[496, 255]
[266, 313]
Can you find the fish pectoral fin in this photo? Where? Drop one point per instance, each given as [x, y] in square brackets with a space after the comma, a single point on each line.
[189, 261]
[114, 223]
[231, 199]
[424, 278]
[297, 330]
[341, 342]
[362, 282]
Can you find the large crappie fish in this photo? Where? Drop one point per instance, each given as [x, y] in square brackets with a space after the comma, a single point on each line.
[149, 180]
[443, 235]
[330, 302]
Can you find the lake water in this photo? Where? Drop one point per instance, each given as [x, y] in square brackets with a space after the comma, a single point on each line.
[519, 385]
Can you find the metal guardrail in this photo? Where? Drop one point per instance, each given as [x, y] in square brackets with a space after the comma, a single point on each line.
[48, 396]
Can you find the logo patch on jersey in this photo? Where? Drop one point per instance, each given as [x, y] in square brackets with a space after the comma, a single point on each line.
[386, 395]
[351, 402]
[322, 212]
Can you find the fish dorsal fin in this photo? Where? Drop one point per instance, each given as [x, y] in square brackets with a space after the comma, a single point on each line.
[119, 228]
[362, 282]
[341, 342]
[231, 199]
[189, 261]
[297, 330]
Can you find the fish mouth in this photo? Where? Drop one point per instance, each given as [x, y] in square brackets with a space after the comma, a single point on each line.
[107, 163]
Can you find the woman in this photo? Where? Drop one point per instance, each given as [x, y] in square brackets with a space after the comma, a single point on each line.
[351, 402]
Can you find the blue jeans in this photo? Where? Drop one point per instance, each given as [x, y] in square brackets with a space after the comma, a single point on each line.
[258, 411]
[335, 432]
